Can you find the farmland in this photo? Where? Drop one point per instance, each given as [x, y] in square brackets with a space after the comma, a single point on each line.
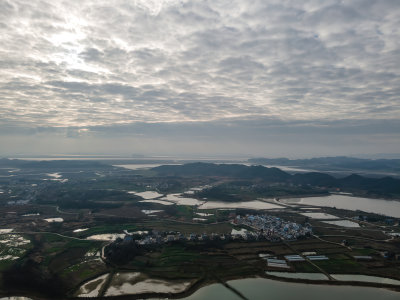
[94, 222]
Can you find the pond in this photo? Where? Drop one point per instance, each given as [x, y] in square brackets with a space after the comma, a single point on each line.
[157, 201]
[319, 216]
[137, 283]
[343, 223]
[106, 236]
[255, 204]
[92, 287]
[147, 195]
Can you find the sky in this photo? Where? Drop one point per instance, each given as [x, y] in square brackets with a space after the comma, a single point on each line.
[265, 78]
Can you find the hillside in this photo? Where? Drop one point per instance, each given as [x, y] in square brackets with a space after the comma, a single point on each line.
[384, 187]
[334, 163]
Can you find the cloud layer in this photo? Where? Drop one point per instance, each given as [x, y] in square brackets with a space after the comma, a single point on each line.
[100, 64]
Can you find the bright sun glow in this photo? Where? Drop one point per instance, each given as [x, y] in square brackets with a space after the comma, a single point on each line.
[155, 6]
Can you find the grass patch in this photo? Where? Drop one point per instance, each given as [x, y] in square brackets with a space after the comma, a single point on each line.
[197, 228]
[364, 251]
[339, 256]
[86, 273]
[82, 271]
[5, 264]
[54, 250]
[83, 244]
[51, 238]
[185, 211]
[340, 265]
[305, 267]
[112, 228]
[174, 255]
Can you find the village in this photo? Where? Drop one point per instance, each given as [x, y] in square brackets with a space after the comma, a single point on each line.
[260, 227]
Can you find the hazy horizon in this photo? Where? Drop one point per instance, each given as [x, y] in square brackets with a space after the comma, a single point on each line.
[194, 156]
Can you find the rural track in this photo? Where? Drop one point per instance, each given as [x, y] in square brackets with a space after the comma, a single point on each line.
[309, 261]
[43, 232]
[357, 237]
[191, 223]
[317, 237]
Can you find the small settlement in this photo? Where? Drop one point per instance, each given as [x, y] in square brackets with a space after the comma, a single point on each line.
[261, 227]
[273, 228]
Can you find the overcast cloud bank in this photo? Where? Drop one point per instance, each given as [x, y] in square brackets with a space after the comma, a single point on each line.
[151, 74]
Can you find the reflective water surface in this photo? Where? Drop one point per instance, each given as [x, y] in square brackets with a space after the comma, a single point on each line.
[266, 289]
[378, 206]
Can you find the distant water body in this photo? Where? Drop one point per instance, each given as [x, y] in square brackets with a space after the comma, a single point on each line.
[141, 166]
[377, 206]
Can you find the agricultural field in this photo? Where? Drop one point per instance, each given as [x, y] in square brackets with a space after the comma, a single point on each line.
[75, 234]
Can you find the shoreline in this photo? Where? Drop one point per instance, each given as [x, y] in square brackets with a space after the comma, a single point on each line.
[391, 287]
[203, 282]
[374, 197]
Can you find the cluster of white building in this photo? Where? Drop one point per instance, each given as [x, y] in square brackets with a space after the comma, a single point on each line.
[271, 227]
[264, 227]
[165, 237]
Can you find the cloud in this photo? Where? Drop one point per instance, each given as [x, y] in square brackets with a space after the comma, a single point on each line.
[110, 63]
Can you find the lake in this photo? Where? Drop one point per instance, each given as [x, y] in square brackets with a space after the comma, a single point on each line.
[365, 278]
[377, 206]
[265, 289]
[143, 166]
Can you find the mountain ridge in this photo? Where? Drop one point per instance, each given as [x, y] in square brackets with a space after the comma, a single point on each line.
[385, 186]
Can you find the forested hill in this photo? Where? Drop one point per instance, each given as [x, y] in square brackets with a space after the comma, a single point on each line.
[337, 163]
[228, 170]
[386, 186]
